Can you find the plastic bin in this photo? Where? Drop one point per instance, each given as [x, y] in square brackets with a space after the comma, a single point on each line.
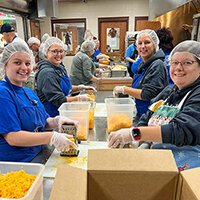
[120, 113]
[36, 190]
[77, 111]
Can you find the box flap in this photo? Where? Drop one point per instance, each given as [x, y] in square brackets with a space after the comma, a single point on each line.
[70, 183]
[191, 184]
[131, 159]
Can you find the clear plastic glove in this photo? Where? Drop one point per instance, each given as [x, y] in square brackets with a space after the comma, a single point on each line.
[100, 71]
[120, 138]
[84, 97]
[61, 141]
[118, 90]
[86, 87]
[60, 120]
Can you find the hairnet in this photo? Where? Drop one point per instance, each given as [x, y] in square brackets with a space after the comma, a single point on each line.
[45, 37]
[13, 48]
[87, 46]
[65, 47]
[33, 40]
[50, 41]
[189, 46]
[152, 35]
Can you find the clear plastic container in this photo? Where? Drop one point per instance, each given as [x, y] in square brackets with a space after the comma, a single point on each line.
[91, 115]
[120, 113]
[77, 111]
[36, 190]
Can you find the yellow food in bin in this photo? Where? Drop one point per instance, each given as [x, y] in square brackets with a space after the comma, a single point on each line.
[15, 184]
[92, 96]
[81, 134]
[91, 118]
[118, 121]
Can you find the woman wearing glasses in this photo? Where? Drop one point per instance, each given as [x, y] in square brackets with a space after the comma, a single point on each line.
[151, 77]
[53, 84]
[173, 120]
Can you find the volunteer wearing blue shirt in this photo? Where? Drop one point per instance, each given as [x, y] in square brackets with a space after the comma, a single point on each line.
[173, 119]
[53, 83]
[151, 76]
[23, 118]
[131, 55]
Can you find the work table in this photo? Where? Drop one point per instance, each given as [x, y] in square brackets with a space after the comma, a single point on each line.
[96, 139]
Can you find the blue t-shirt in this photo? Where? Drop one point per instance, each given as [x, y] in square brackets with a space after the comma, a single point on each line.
[20, 109]
[96, 53]
[129, 53]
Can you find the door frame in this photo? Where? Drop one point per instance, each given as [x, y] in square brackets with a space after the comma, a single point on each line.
[140, 18]
[112, 19]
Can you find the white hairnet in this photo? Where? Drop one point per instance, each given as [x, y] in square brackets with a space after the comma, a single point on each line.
[50, 41]
[87, 46]
[33, 40]
[13, 48]
[45, 37]
[189, 46]
[152, 35]
[65, 47]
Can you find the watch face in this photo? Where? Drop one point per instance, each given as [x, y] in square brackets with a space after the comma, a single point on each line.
[136, 133]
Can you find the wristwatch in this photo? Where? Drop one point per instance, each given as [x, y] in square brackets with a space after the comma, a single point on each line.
[136, 133]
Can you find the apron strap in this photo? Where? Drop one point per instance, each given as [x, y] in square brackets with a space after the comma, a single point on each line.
[183, 100]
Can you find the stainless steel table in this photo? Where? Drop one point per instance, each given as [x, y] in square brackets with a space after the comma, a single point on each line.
[97, 134]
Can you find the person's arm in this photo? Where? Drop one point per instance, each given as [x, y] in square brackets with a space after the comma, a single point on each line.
[155, 80]
[94, 79]
[25, 138]
[133, 92]
[48, 83]
[129, 59]
[125, 135]
[150, 133]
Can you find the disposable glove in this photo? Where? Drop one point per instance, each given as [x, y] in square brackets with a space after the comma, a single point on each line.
[61, 120]
[120, 138]
[84, 97]
[61, 142]
[86, 87]
[118, 90]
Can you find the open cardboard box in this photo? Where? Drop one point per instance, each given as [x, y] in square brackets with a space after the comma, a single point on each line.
[127, 174]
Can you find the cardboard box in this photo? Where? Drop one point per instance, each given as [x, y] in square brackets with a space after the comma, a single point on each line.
[126, 174]
[189, 185]
[106, 84]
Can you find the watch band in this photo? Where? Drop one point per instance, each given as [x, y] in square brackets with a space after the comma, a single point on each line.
[136, 133]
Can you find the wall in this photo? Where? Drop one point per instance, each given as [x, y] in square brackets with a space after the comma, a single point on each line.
[94, 9]
[184, 14]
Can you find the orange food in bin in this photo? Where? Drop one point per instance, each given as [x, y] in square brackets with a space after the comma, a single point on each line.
[91, 118]
[81, 134]
[118, 121]
[92, 96]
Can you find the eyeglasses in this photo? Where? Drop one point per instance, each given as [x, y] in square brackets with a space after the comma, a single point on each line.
[185, 63]
[56, 52]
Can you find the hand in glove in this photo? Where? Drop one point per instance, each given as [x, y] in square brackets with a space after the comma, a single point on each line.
[84, 97]
[61, 142]
[60, 120]
[118, 90]
[120, 138]
[86, 87]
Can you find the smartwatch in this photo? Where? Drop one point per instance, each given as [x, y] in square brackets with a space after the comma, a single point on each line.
[136, 133]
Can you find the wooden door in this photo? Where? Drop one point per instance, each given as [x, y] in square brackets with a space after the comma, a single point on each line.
[113, 31]
[35, 29]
